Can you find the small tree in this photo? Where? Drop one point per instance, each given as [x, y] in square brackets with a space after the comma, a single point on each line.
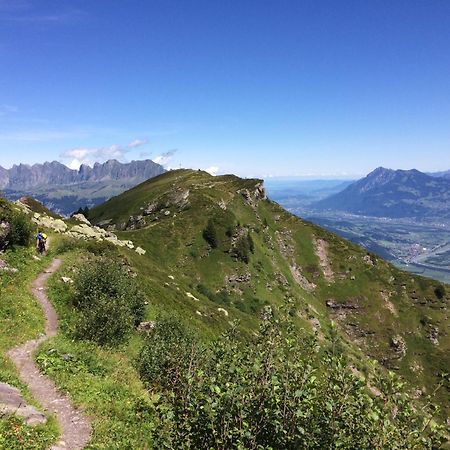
[439, 291]
[210, 234]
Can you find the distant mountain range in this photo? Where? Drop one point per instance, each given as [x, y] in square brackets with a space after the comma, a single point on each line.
[395, 194]
[445, 174]
[65, 190]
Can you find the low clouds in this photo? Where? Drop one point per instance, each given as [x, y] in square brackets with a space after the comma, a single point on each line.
[212, 170]
[137, 143]
[78, 156]
[165, 158]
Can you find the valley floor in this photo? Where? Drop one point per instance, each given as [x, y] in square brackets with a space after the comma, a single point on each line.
[422, 248]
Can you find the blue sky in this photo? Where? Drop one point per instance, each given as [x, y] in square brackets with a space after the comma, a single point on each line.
[253, 87]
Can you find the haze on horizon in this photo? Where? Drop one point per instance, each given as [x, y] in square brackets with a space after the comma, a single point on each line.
[312, 88]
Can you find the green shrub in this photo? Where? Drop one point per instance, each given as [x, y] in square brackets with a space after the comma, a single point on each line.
[279, 391]
[164, 359]
[439, 291]
[18, 228]
[210, 234]
[243, 247]
[108, 301]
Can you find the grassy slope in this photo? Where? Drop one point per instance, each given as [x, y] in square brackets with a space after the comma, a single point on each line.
[175, 247]
[21, 319]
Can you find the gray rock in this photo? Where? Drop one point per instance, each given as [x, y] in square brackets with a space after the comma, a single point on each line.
[146, 327]
[12, 403]
[399, 345]
[81, 218]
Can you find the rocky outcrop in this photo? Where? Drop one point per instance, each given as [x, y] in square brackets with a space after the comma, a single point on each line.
[253, 196]
[44, 221]
[223, 311]
[13, 403]
[81, 218]
[239, 278]
[398, 344]
[433, 335]
[333, 304]
[84, 230]
[5, 268]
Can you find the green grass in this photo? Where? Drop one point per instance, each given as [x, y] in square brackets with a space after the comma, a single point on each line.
[21, 319]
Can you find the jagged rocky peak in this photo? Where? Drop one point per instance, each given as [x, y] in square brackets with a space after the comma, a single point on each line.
[24, 176]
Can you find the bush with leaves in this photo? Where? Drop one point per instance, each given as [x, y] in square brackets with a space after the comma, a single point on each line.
[167, 354]
[439, 291]
[16, 227]
[243, 246]
[280, 391]
[109, 301]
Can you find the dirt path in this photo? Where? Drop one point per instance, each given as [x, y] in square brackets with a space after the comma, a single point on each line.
[75, 427]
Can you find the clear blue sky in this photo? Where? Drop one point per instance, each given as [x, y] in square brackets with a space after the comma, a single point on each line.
[253, 87]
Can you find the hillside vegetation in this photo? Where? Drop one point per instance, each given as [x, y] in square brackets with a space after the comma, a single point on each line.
[258, 329]
[394, 317]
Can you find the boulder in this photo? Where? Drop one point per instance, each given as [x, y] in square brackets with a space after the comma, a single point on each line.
[86, 231]
[45, 221]
[223, 311]
[399, 345]
[152, 207]
[146, 327]
[81, 218]
[140, 251]
[129, 244]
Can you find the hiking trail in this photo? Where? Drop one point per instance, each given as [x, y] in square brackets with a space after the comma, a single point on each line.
[75, 427]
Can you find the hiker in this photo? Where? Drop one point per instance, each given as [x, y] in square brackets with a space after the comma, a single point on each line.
[41, 239]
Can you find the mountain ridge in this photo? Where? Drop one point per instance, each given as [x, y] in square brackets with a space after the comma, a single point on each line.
[393, 193]
[21, 176]
[64, 190]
